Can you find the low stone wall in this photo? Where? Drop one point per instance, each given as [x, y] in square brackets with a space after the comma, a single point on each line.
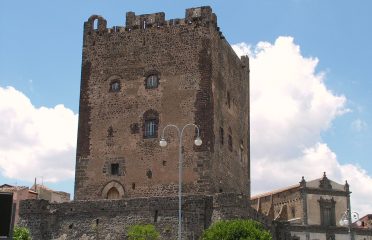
[110, 219]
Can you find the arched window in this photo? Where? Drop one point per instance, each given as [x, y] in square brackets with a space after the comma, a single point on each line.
[95, 24]
[115, 86]
[150, 124]
[113, 193]
[152, 81]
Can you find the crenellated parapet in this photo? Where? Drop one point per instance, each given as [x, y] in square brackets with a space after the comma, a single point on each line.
[200, 16]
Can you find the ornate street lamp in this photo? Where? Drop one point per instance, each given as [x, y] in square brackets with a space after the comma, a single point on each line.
[346, 221]
[163, 143]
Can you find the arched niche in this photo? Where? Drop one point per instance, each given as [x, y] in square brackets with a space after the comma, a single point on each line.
[113, 190]
[97, 22]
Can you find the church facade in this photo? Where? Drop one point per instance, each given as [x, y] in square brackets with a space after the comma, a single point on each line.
[311, 210]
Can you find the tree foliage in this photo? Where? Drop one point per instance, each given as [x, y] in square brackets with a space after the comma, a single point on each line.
[21, 233]
[236, 230]
[143, 232]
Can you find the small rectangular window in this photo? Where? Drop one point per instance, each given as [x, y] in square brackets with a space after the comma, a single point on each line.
[115, 169]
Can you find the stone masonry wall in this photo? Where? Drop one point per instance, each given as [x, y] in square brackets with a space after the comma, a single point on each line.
[110, 219]
[197, 71]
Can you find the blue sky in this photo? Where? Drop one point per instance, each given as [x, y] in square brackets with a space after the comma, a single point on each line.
[41, 41]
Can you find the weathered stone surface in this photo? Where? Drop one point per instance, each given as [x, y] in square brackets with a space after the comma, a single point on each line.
[201, 81]
[110, 219]
[198, 79]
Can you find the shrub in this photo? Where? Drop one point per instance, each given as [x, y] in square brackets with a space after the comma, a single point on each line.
[21, 233]
[236, 230]
[143, 232]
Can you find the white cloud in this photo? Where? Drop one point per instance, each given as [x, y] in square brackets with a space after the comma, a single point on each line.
[34, 141]
[290, 107]
[358, 125]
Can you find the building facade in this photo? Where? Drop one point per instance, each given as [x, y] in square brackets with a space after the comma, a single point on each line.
[19, 193]
[310, 210]
[50, 195]
[151, 72]
[136, 79]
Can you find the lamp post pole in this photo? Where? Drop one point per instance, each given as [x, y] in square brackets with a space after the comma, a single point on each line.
[347, 221]
[163, 143]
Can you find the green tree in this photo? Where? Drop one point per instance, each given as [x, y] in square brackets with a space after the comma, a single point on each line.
[143, 232]
[236, 230]
[21, 233]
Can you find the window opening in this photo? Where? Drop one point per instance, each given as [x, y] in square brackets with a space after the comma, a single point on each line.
[228, 100]
[229, 141]
[110, 132]
[150, 125]
[95, 24]
[241, 151]
[115, 169]
[156, 216]
[149, 173]
[293, 210]
[327, 212]
[115, 86]
[152, 82]
[221, 135]
[150, 128]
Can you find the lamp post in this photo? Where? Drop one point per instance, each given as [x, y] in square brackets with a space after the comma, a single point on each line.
[163, 143]
[346, 220]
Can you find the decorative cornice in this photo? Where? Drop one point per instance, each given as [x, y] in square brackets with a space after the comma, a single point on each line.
[325, 183]
[326, 192]
[329, 229]
[318, 229]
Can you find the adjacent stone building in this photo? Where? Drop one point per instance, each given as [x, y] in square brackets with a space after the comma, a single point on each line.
[19, 193]
[50, 195]
[310, 210]
[365, 222]
[138, 78]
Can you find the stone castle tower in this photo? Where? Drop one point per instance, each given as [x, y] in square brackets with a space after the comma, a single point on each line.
[153, 72]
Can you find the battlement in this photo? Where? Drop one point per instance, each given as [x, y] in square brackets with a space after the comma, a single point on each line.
[200, 16]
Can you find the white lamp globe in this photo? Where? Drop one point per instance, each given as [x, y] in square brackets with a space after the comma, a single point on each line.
[198, 141]
[163, 143]
[346, 222]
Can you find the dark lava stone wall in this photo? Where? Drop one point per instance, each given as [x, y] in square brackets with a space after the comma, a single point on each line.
[201, 81]
[110, 219]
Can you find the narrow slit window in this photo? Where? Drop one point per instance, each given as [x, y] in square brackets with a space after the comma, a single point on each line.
[230, 142]
[221, 136]
[228, 100]
[241, 151]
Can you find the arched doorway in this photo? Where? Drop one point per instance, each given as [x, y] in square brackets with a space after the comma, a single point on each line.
[113, 190]
[113, 193]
